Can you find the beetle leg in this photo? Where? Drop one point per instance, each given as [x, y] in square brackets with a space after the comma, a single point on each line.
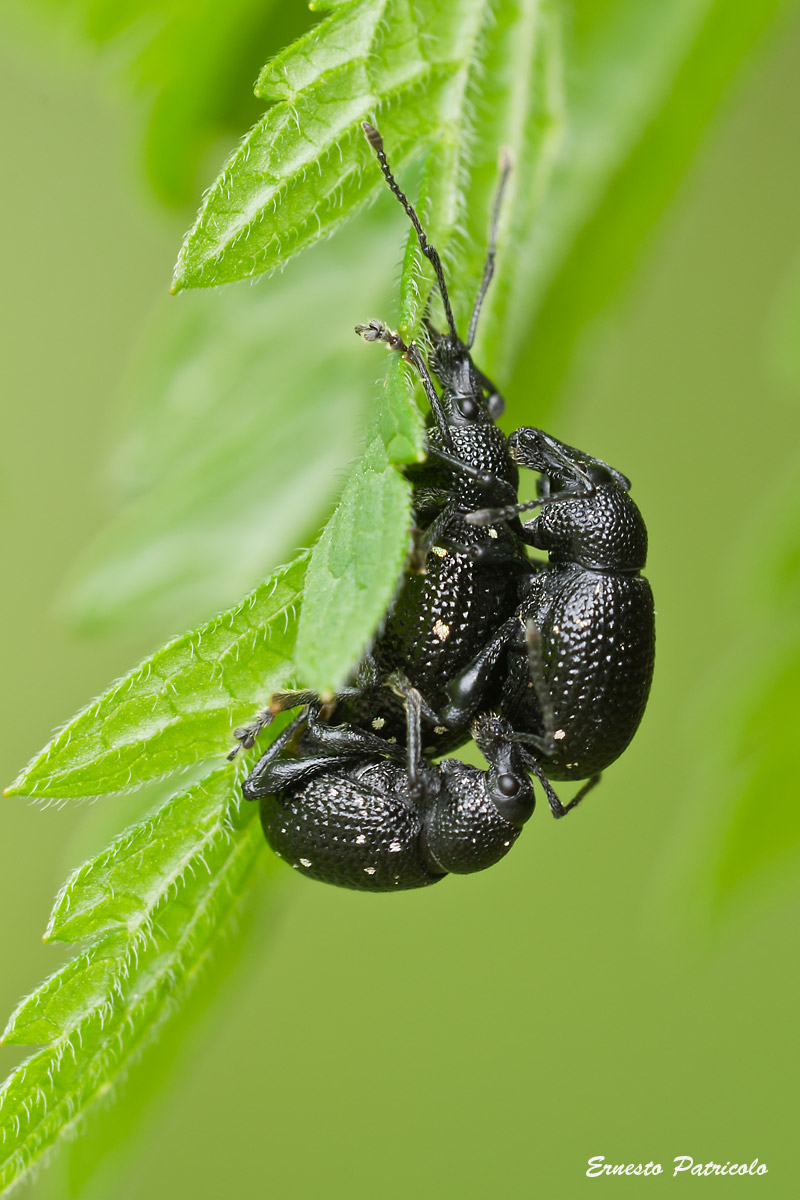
[350, 740]
[413, 700]
[486, 479]
[416, 707]
[288, 773]
[506, 512]
[246, 735]
[467, 690]
[556, 807]
[438, 535]
[402, 686]
[297, 726]
[281, 701]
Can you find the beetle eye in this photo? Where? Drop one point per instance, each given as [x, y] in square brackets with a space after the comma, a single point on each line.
[468, 407]
[513, 798]
[497, 405]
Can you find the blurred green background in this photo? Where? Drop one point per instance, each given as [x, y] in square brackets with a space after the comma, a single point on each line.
[626, 983]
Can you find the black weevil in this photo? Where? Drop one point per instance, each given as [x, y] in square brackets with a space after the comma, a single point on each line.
[575, 661]
[554, 678]
[366, 821]
[464, 580]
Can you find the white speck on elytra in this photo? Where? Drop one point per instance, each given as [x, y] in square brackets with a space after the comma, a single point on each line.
[394, 847]
[559, 735]
[440, 729]
[441, 630]
[360, 840]
[370, 870]
[306, 862]
[378, 722]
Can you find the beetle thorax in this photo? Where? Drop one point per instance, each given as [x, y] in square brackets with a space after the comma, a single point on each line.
[603, 531]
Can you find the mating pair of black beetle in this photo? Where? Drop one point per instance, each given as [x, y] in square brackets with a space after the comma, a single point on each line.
[547, 665]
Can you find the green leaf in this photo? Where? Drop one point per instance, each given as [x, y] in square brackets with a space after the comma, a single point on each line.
[120, 889]
[190, 68]
[305, 167]
[596, 159]
[356, 565]
[353, 571]
[448, 84]
[155, 555]
[160, 921]
[179, 706]
[243, 407]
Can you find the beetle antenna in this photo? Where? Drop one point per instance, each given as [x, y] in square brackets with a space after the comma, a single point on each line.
[431, 253]
[506, 164]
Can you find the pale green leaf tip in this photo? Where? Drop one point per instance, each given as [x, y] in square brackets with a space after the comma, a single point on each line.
[22, 786]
